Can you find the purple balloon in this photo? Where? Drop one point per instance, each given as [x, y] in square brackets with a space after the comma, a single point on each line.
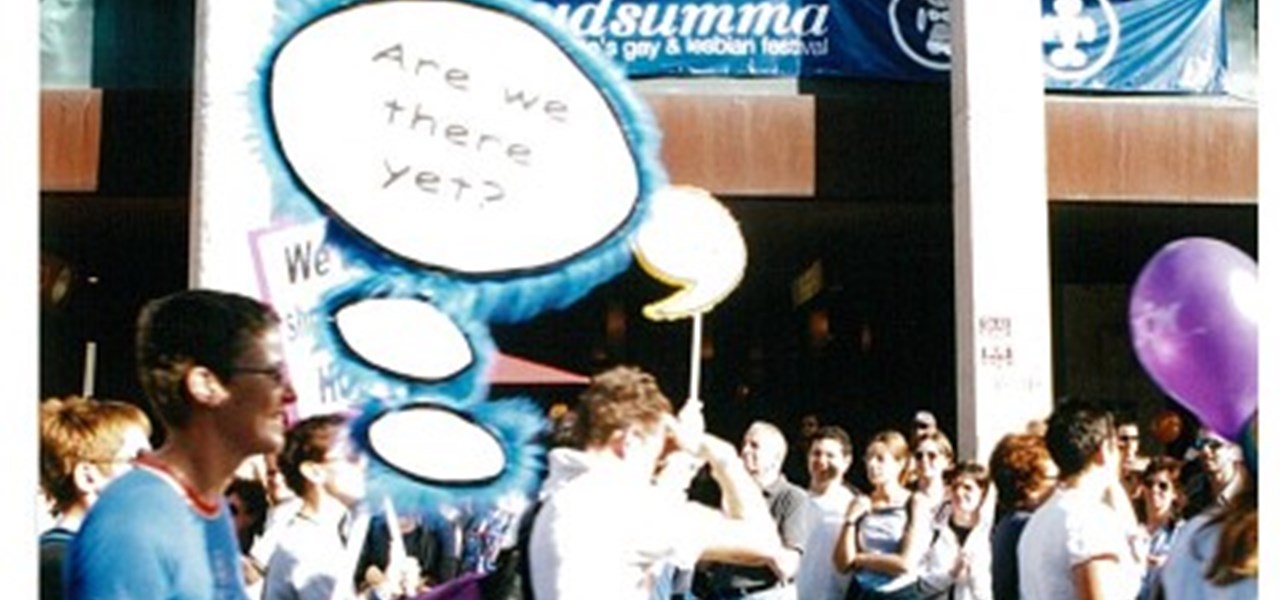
[1193, 321]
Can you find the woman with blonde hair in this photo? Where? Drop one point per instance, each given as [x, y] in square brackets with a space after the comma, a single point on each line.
[875, 541]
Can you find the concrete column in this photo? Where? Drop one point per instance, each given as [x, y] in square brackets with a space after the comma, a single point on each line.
[1003, 320]
[230, 187]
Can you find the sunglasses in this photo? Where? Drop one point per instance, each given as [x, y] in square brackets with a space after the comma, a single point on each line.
[1208, 443]
[1127, 438]
[1160, 486]
[278, 373]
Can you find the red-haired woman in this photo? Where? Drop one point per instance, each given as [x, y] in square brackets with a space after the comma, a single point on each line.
[1024, 474]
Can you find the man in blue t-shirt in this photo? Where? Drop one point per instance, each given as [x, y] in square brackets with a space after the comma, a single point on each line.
[212, 366]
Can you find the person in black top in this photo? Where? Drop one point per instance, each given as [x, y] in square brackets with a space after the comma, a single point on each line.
[84, 445]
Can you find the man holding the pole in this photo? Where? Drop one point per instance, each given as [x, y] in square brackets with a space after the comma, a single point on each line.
[605, 529]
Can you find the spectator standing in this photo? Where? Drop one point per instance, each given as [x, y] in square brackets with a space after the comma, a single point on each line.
[1215, 556]
[84, 445]
[316, 556]
[809, 426]
[933, 456]
[1024, 475]
[923, 425]
[957, 565]
[212, 366]
[282, 505]
[795, 466]
[604, 529]
[830, 454]
[1159, 511]
[875, 542]
[1132, 462]
[1222, 470]
[1036, 427]
[422, 543]
[924, 422]
[1084, 541]
[764, 448]
[247, 501]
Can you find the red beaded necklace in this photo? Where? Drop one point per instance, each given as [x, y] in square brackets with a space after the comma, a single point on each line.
[201, 505]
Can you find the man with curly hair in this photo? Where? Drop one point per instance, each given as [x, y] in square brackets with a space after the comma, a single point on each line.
[606, 529]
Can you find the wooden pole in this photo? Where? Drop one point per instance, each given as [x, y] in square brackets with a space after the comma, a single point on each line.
[90, 368]
[695, 357]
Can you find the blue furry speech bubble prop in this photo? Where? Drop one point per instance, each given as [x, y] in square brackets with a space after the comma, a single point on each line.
[474, 164]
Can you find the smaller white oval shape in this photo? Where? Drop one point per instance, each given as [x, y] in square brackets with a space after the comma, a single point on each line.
[405, 336]
[435, 444]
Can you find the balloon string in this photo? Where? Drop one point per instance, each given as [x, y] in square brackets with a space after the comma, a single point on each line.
[695, 356]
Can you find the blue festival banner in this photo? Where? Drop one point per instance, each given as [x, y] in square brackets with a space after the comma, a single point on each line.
[1100, 45]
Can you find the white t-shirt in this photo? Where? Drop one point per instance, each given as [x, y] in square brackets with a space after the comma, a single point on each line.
[817, 577]
[1070, 528]
[310, 562]
[278, 518]
[946, 548]
[1183, 574]
[603, 534]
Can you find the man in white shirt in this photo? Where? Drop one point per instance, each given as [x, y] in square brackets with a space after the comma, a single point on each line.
[604, 529]
[830, 453]
[1084, 541]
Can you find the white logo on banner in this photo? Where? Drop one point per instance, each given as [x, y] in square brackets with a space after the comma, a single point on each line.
[925, 33]
[1067, 29]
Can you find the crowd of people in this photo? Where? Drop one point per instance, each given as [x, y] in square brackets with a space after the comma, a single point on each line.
[640, 501]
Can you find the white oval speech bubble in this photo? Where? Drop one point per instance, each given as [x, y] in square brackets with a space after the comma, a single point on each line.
[434, 444]
[452, 135]
[404, 336]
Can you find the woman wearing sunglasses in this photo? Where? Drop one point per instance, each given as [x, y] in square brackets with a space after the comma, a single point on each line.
[1159, 510]
[933, 456]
